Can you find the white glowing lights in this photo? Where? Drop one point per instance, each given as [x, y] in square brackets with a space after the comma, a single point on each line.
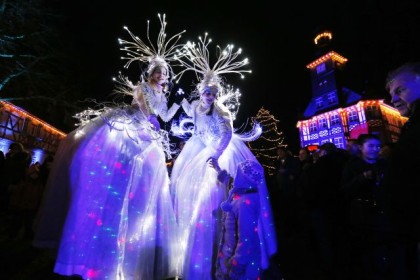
[195, 56]
[331, 55]
[161, 54]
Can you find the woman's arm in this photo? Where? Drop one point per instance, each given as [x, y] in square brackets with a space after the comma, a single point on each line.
[140, 100]
[188, 107]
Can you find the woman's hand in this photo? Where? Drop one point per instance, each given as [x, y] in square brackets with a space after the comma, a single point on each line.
[179, 96]
[214, 163]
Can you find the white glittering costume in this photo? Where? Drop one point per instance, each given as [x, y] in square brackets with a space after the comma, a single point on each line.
[198, 194]
[110, 184]
[107, 204]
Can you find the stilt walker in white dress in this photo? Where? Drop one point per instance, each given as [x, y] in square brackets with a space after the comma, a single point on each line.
[197, 192]
[107, 204]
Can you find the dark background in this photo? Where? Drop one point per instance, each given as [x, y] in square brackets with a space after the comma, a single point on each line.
[277, 38]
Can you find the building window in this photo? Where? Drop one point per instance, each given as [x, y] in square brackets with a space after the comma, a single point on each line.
[322, 122]
[335, 119]
[305, 130]
[323, 83]
[318, 102]
[372, 112]
[353, 116]
[320, 68]
[339, 143]
[312, 127]
[332, 97]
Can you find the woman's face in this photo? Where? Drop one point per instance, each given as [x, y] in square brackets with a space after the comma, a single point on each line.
[160, 75]
[209, 95]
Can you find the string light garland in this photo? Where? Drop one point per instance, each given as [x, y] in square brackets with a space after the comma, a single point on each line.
[265, 148]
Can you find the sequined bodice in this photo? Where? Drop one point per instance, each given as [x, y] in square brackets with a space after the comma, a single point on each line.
[207, 128]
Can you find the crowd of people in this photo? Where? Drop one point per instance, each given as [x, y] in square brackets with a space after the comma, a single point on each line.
[22, 184]
[356, 209]
[111, 207]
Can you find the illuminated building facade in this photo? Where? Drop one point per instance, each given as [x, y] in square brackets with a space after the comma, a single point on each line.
[336, 113]
[37, 136]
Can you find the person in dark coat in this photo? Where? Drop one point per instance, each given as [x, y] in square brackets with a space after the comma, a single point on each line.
[402, 177]
[284, 193]
[374, 252]
[15, 169]
[321, 183]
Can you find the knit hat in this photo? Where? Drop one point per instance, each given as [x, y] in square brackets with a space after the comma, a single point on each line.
[249, 175]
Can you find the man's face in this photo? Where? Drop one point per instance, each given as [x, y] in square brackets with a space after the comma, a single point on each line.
[281, 153]
[404, 90]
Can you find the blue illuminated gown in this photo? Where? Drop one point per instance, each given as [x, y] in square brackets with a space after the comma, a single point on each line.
[108, 196]
[197, 194]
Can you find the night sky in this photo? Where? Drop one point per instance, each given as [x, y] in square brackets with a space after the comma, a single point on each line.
[375, 36]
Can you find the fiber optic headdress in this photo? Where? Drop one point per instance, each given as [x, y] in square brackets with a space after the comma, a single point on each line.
[159, 55]
[196, 57]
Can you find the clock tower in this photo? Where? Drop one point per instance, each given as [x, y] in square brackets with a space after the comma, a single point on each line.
[336, 113]
[326, 78]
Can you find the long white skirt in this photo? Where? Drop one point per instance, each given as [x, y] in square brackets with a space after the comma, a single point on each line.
[107, 206]
[197, 196]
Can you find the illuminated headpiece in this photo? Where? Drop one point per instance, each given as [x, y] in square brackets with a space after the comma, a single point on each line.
[159, 55]
[196, 57]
